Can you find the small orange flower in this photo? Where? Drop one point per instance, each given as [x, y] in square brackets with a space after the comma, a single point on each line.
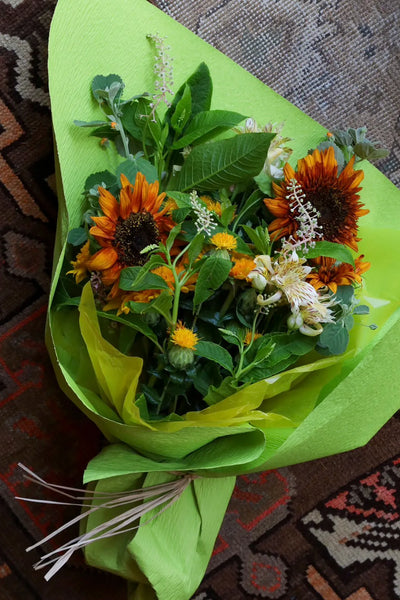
[249, 337]
[184, 337]
[224, 241]
[243, 265]
[212, 205]
[80, 265]
[331, 276]
[335, 197]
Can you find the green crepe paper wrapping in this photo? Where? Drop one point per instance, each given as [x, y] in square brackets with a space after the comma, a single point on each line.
[314, 410]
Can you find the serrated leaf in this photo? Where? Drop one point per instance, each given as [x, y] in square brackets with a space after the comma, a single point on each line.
[208, 124]
[368, 151]
[361, 309]
[332, 250]
[334, 338]
[130, 168]
[213, 272]
[77, 236]
[216, 353]
[101, 82]
[223, 163]
[100, 178]
[136, 279]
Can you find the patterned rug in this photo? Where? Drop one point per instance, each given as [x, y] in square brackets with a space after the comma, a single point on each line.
[327, 530]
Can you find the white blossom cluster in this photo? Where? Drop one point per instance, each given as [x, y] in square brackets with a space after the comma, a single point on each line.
[307, 217]
[163, 72]
[205, 220]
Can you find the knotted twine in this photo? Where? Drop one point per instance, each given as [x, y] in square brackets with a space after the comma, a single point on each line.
[160, 496]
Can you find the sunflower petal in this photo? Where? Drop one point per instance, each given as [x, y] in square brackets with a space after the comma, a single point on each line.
[103, 259]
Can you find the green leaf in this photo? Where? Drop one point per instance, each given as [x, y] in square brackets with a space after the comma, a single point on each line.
[334, 338]
[162, 304]
[221, 164]
[103, 83]
[368, 151]
[215, 394]
[259, 237]
[227, 215]
[216, 353]
[137, 279]
[208, 124]
[200, 86]
[130, 168]
[264, 182]
[77, 236]
[175, 231]
[344, 294]
[100, 178]
[91, 123]
[361, 309]
[195, 247]
[182, 111]
[251, 206]
[136, 322]
[214, 271]
[337, 251]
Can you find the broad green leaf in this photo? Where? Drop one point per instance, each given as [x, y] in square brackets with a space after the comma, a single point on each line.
[162, 304]
[227, 215]
[77, 236]
[361, 309]
[130, 168]
[182, 111]
[223, 163]
[102, 83]
[264, 182]
[208, 124]
[137, 279]
[214, 271]
[200, 86]
[216, 353]
[195, 247]
[332, 250]
[101, 178]
[334, 338]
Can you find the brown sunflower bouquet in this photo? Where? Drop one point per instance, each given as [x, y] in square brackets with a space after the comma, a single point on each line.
[208, 310]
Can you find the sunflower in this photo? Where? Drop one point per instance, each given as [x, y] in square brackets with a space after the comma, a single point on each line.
[127, 227]
[334, 197]
[81, 263]
[330, 274]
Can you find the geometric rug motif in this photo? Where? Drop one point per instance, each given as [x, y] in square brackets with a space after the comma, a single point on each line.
[260, 502]
[360, 525]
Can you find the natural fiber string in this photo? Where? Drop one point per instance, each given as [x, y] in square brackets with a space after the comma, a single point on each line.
[159, 496]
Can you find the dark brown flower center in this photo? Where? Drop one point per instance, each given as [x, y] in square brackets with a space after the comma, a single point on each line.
[133, 235]
[333, 209]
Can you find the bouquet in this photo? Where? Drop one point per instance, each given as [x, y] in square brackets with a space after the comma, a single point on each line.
[208, 310]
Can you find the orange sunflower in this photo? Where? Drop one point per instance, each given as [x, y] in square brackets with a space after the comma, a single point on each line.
[335, 197]
[331, 275]
[127, 227]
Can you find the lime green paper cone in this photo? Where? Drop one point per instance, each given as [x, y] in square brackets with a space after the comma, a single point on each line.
[320, 408]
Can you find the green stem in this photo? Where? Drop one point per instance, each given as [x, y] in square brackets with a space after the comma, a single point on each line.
[228, 299]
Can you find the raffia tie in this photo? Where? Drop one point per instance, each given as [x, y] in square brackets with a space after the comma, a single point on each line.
[158, 496]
